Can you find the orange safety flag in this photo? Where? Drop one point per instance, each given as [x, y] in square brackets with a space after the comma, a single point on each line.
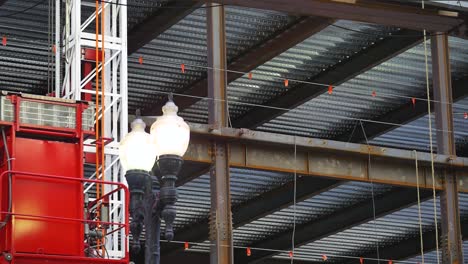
[465, 115]
[291, 254]
[186, 245]
[413, 100]
[140, 60]
[330, 89]
[250, 75]
[182, 68]
[374, 94]
[361, 260]
[249, 253]
[4, 40]
[286, 82]
[324, 257]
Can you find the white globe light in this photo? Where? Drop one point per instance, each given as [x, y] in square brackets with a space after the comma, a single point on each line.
[170, 133]
[137, 151]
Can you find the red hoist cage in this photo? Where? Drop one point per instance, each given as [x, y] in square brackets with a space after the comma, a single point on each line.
[45, 217]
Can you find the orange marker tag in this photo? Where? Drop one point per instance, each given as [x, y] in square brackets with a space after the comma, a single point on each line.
[182, 68]
[4, 40]
[413, 100]
[374, 94]
[250, 76]
[324, 257]
[140, 60]
[249, 253]
[330, 89]
[291, 254]
[390, 262]
[361, 260]
[465, 115]
[54, 49]
[286, 82]
[186, 245]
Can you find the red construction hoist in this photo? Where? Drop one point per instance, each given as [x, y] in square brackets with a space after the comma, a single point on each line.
[45, 216]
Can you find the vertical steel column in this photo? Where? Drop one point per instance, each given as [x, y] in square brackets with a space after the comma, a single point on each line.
[220, 217]
[451, 242]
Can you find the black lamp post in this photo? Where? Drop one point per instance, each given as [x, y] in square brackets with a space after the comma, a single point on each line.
[153, 198]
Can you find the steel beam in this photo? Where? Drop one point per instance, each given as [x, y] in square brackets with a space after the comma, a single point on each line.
[272, 47]
[221, 251]
[326, 158]
[452, 249]
[369, 11]
[334, 223]
[337, 75]
[320, 157]
[158, 22]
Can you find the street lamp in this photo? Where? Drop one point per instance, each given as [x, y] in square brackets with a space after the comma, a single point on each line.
[149, 202]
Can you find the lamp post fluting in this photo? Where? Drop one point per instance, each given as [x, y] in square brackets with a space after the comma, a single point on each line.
[153, 198]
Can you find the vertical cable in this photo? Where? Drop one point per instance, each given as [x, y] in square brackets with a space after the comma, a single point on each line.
[419, 206]
[372, 190]
[430, 141]
[294, 201]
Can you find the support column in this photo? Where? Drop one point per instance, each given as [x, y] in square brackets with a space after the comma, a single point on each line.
[451, 242]
[220, 217]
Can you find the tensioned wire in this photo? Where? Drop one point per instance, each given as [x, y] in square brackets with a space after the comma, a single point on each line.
[278, 251]
[281, 79]
[431, 149]
[294, 109]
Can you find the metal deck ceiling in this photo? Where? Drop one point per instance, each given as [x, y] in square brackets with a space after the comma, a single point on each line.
[415, 135]
[194, 197]
[185, 43]
[394, 81]
[314, 55]
[381, 232]
[317, 206]
[431, 257]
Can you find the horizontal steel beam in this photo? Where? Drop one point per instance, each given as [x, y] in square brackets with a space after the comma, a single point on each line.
[318, 157]
[369, 11]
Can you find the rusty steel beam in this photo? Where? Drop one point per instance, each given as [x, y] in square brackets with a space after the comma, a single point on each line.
[158, 22]
[369, 11]
[451, 243]
[221, 249]
[321, 157]
[272, 47]
[326, 158]
[340, 73]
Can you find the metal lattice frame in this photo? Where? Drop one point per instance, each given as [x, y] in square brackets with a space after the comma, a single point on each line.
[77, 35]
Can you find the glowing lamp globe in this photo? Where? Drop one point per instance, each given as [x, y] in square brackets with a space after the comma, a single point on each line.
[137, 151]
[170, 133]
